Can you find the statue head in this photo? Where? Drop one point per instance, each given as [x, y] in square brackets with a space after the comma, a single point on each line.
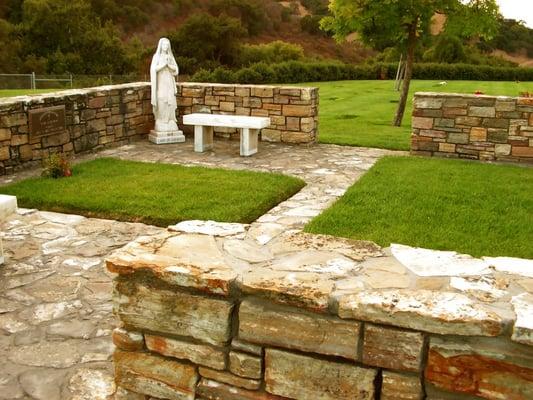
[164, 46]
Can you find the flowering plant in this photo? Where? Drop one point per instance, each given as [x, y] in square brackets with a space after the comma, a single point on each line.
[56, 166]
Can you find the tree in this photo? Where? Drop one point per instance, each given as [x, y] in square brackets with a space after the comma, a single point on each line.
[404, 23]
[208, 38]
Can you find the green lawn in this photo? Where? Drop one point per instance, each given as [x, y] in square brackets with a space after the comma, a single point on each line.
[360, 113]
[469, 207]
[159, 194]
[25, 92]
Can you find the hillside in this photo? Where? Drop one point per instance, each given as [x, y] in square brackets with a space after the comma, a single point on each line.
[119, 36]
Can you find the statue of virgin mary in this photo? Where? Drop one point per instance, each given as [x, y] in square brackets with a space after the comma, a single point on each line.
[163, 73]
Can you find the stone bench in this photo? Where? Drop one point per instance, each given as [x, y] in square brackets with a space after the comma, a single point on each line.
[204, 124]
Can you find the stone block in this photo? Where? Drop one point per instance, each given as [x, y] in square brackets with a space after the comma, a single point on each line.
[290, 92]
[456, 102]
[271, 135]
[300, 377]
[192, 92]
[172, 312]
[281, 326]
[478, 134]
[392, 348]
[458, 138]
[55, 140]
[155, 376]
[17, 140]
[502, 149]
[293, 123]
[497, 135]
[96, 125]
[259, 113]
[297, 137]
[242, 91]
[468, 121]
[298, 111]
[396, 386]
[212, 390]
[428, 102]
[227, 106]
[97, 102]
[485, 112]
[307, 124]
[520, 151]
[492, 369]
[452, 112]
[13, 119]
[4, 153]
[201, 354]
[247, 347]
[423, 310]
[128, 340]
[5, 134]
[252, 102]
[26, 152]
[258, 91]
[482, 101]
[230, 379]
[426, 112]
[447, 147]
[422, 123]
[505, 105]
[86, 142]
[502, 123]
[245, 365]
[444, 122]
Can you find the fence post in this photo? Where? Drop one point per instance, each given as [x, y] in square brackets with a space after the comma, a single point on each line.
[71, 86]
[33, 83]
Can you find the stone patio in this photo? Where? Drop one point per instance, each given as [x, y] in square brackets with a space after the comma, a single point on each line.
[55, 294]
[56, 315]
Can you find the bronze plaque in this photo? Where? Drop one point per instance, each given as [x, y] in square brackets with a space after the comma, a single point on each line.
[47, 121]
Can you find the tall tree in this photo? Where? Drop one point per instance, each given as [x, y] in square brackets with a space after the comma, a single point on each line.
[404, 23]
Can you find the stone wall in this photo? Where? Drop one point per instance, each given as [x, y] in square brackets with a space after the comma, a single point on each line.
[116, 115]
[293, 111]
[473, 127]
[206, 317]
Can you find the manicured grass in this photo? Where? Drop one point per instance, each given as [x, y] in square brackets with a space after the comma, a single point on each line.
[25, 92]
[474, 208]
[159, 194]
[360, 113]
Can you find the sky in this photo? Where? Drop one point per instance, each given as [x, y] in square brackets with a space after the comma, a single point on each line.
[517, 9]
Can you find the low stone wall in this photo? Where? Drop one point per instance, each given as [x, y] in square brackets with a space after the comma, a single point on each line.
[473, 127]
[219, 317]
[116, 115]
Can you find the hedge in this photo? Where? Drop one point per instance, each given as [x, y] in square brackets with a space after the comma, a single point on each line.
[300, 71]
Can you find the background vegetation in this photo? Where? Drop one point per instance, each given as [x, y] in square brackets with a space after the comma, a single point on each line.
[118, 37]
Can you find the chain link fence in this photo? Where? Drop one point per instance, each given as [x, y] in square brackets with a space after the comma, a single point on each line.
[37, 81]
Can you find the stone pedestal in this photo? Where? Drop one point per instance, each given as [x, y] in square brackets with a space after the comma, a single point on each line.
[166, 137]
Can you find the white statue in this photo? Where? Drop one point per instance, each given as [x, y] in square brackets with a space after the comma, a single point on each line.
[163, 73]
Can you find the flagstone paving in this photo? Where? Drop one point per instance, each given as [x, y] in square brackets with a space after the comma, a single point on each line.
[56, 314]
[55, 294]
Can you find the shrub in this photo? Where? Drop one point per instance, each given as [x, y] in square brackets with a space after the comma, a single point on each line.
[299, 71]
[274, 52]
[311, 24]
[56, 166]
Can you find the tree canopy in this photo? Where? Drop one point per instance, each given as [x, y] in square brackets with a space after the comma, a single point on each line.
[404, 23]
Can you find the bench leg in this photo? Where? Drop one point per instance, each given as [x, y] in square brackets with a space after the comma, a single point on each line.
[203, 138]
[249, 141]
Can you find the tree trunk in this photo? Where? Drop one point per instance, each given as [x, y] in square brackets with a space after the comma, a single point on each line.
[411, 43]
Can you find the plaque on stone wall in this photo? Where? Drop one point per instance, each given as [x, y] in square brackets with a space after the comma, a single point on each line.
[47, 121]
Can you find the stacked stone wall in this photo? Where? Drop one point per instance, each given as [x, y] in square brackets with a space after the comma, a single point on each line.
[473, 127]
[192, 327]
[116, 115]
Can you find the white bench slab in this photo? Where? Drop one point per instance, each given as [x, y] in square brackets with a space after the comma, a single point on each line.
[8, 206]
[204, 124]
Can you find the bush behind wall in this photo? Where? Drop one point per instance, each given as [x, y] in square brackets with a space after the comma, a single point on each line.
[302, 71]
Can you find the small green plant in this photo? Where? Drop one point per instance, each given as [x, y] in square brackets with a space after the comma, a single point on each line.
[56, 166]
